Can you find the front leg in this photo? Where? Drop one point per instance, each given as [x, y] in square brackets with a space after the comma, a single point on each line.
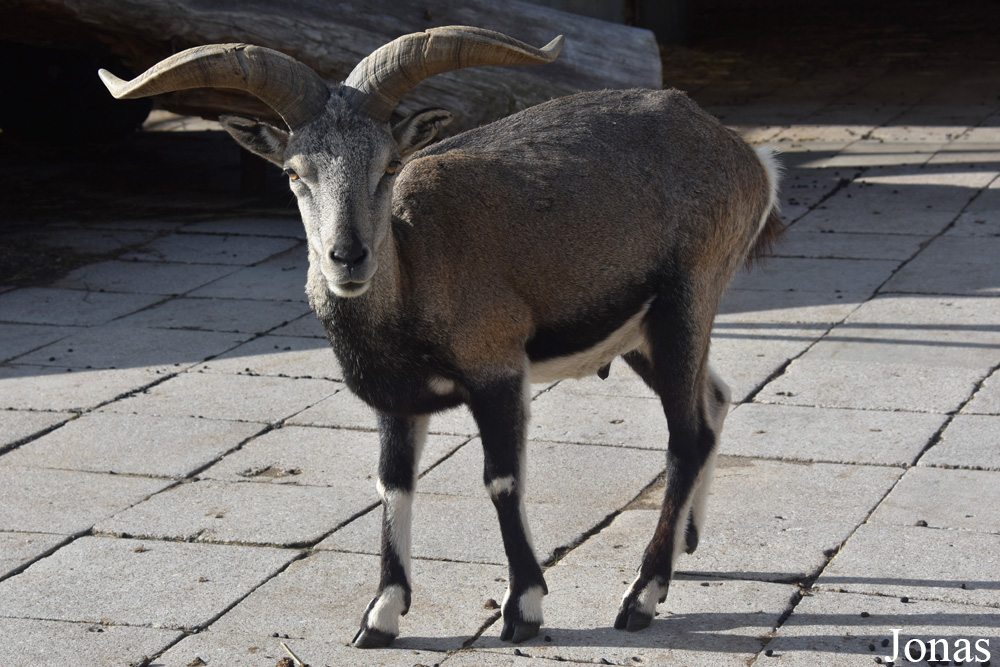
[402, 439]
[500, 409]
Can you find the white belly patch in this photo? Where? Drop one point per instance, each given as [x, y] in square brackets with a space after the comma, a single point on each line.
[630, 336]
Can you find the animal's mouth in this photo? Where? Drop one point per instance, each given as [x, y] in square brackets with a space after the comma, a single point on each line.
[349, 289]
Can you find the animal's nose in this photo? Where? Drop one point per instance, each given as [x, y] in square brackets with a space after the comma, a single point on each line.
[349, 255]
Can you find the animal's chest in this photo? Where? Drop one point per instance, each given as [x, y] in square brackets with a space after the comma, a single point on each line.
[391, 369]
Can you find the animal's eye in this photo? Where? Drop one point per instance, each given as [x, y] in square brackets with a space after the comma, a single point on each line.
[393, 167]
[290, 173]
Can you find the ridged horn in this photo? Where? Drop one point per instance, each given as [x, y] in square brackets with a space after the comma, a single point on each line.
[289, 87]
[381, 80]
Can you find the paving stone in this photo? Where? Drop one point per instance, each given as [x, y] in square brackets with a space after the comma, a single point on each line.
[805, 185]
[206, 314]
[16, 425]
[797, 243]
[970, 441]
[138, 582]
[318, 602]
[235, 397]
[288, 356]
[48, 388]
[211, 249]
[767, 520]
[65, 501]
[986, 400]
[561, 416]
[306, 326]
[345, 459]
[290, 227]
[962, 499]
[19, 548]
[815, 130]
[133, 444]
[847, 277]
[244, 513]
[918, 563]
[557, 473]
[132, 347]
[914, 129]
[897, 200]
[47, 305]
[746, 356]
[280, 278]
[52, 643]
[898, 153]
[343, 410]
[951, 265]
[980, 225]
[460, 528]
[477, 658]
[921, 345]
[16, 339]
[142, 277]
[790, 432]
[703, 622]
[968, 156]
[828, 630]
[768, 307]
[93, 241]
[871, 385]
[960, 314]
[140, 224]
[457, 421]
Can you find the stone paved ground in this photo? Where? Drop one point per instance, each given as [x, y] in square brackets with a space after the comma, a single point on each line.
[185, 480]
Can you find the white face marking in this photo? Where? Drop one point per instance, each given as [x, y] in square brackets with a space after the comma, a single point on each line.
[385, 614]
[628, 337]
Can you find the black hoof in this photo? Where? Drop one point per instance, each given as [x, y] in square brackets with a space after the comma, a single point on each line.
[519, 631]
[372, 638]
[632, 620]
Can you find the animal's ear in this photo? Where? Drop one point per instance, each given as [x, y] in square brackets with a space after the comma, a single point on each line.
[261, 139]
[416, 130]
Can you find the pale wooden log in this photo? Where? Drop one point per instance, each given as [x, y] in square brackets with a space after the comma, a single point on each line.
[332, 37]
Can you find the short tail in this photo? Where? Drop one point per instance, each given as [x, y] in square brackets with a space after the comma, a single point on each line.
[770, 227]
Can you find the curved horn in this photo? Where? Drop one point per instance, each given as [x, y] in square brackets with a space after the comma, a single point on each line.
[289, 87]
[381, 80]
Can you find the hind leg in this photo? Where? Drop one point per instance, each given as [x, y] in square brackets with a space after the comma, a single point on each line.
[675, 366]
[717, 399]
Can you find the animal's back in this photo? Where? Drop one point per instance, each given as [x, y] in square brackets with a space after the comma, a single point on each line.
[585, 193]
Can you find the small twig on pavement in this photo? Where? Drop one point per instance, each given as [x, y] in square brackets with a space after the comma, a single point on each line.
[298, 663]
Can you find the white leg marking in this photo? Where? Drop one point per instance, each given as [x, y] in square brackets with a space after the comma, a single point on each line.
[385, 614]
[717, 414]
[699, 506]
[648, 596]
[530, 604]
[501, 485]
[398, 508]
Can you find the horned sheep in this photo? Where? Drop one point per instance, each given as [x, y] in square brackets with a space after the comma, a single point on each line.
[539, 247]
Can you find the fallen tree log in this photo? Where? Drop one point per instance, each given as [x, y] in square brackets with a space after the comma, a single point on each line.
[333, 37]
